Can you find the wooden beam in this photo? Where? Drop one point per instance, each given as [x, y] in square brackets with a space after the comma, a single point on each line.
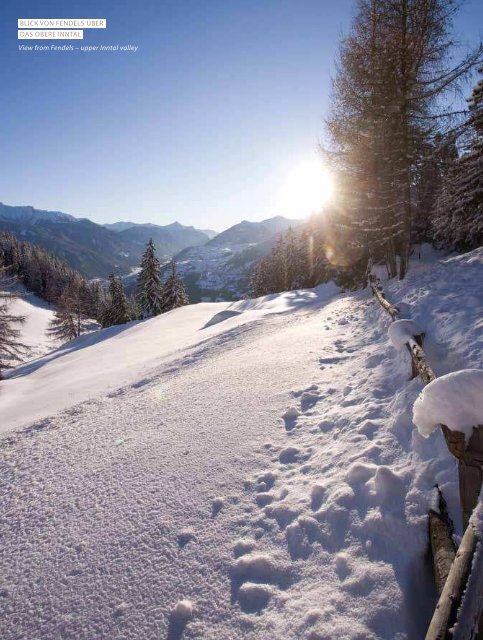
[445, 613]
[443, 548]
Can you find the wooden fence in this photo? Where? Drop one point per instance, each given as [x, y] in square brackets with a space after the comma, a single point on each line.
[451, 567]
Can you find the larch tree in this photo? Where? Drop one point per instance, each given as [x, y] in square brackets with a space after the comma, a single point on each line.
[389, 96]
[173, 293]
[67, 321]
[458, 220]
[149, 283]
[11, 347]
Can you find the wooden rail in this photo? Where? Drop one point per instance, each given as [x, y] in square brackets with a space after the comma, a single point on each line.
[446, 610]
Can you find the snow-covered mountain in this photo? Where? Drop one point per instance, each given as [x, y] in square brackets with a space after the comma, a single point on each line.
[122, 226]
[29, 215]
[94, 249]
[220, 269]
[245, 470]
[216, 266]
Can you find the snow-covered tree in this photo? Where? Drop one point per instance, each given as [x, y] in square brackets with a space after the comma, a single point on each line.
[116, 307]
[11, 347]
[149, 282]
[173, 293]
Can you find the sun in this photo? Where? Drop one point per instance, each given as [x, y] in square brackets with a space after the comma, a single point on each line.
[308, 187]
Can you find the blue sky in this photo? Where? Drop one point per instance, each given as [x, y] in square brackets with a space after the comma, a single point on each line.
[203, 124]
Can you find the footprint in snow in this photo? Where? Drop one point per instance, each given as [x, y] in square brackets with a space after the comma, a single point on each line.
[243, 546]
[184, 537]
[254, 597]
[179, 618]
[317, 496]
[333, 359]
[266, 481]
[217, 505]
[308, 400]
[290, 418]
[289, 455]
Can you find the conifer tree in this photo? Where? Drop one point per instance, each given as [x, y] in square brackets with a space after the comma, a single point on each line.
[149, 282]
[260, 284]
[293, 266]
[11, 347]
[458, 220]
[173, 293]
[394, 67]
[67, 321]
[116, 307]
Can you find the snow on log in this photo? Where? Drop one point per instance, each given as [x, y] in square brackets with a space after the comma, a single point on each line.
[455, 400]
[402, 331]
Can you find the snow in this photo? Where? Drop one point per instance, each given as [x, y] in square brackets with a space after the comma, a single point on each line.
[401, 331]
[113, 472]
[33, 333]
[455, 400]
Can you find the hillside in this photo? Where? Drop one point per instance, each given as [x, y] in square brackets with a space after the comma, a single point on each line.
[256, 459]
[33, 333]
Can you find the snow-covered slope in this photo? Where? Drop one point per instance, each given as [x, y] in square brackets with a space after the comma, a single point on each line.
[33, 333]
[255, 461]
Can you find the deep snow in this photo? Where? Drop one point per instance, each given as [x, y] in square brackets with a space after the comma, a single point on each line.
[255, 477]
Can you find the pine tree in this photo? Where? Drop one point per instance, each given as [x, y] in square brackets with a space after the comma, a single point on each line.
[260, 279]
[293, 263]
[173, 293]
[11, 348]
[149, 282]
[458, 220]
[116, 307]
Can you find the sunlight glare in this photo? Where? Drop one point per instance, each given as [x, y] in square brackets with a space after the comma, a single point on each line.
[308, 187]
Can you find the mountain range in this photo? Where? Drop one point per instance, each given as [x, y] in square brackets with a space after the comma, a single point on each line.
[215, 266]
[94, 249]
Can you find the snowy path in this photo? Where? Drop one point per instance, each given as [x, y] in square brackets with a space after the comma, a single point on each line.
[270, 475]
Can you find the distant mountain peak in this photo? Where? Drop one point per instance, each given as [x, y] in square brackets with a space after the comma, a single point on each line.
[30, 215]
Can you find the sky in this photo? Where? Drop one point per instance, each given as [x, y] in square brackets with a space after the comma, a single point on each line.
[215, 118]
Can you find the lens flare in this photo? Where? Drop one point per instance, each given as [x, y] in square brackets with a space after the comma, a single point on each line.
[330, 254]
